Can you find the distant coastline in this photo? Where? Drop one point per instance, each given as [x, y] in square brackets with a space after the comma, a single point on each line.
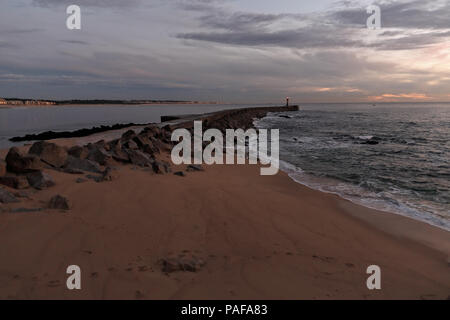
[11, 102]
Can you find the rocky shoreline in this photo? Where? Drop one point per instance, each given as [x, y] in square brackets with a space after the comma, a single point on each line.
[97, 161]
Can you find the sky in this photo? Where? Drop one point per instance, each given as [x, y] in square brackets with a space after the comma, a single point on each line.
[233, 51]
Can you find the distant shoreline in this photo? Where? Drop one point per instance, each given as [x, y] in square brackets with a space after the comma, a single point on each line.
[103, 103]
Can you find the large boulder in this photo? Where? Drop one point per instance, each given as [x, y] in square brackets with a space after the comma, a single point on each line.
[117, 153]
[139, 158]
[49, 153]
[7, 197]
[40, 180]
[130, 144]
[19, 163]
[74, 164]
[15, 182]
[141, 140]
[99, 154]
[2, 168]
[78, 152]
[59, 202]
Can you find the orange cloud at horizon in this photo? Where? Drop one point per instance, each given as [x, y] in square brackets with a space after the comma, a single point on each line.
[401, 96]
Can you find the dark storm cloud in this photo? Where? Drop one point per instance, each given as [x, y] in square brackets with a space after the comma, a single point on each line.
[337, 28]
[312, 37]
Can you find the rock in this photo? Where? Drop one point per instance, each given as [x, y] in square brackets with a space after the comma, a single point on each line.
[59, 202]
[180, 174]
[7, 197]
[131, 145]
[2, 168]
[16, 182]
[19, 163]
[185, 264]
[99, 154]
[130, 134]
[120, 156]
[78, 152]
[141, 140]
[75, 164]
[106, 176]
[370, 142]
[80, 180]
[40, 180]
[139, 158]
[115, 147]
[152, 132]
[194, 167]
[160, 167]
[49, 153]
[159, 145]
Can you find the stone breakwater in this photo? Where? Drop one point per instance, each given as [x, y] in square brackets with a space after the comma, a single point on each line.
[98, 161]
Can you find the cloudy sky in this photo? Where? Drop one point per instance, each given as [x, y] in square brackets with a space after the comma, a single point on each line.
[226, 50]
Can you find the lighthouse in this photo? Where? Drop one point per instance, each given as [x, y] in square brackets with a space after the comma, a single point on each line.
[287, 101]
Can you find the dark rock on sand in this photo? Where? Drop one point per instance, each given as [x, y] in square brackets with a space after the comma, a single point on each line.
[7, 197]
[78, 152]
[19, 163]
[40, 180]
[75, 164]
[139, 158]
[15, 182]
[180, 174]
[141, 140]
[98, 154]
[106, 176]
[59, 202]
[161, 167]
[185, 264]
[116, 150]
[194, 167]
[49, 153]
[80, 180]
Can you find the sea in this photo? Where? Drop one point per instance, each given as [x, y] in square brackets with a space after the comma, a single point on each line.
[391, 157]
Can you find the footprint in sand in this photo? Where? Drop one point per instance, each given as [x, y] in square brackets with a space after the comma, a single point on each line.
[143, 268]
[350, 265]
[325, 259]
[53, 283]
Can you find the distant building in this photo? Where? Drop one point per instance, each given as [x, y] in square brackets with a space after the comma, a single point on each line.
[2, 101]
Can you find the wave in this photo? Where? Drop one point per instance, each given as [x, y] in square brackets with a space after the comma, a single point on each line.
[383, 201]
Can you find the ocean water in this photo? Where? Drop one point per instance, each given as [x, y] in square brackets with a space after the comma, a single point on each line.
[405, 169]
[19, 121]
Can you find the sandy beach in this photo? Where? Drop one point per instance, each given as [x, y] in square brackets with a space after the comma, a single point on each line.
[250, 236]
